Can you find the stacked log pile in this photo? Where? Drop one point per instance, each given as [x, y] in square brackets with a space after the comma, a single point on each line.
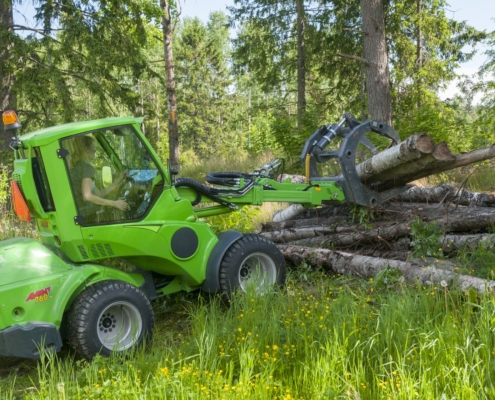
[331, 237]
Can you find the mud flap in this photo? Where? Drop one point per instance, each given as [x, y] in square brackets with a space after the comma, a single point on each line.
[212, 281]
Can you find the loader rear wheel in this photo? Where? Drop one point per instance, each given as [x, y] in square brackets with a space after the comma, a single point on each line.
[109, 316]
[253, 261]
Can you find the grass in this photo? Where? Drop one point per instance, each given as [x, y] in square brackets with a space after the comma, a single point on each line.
[334, 338]
[319, 337]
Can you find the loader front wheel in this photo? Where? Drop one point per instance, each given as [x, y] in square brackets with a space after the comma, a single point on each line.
[109, 316]
[252, 261]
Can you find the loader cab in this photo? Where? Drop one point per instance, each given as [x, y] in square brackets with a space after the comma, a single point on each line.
[119, 167]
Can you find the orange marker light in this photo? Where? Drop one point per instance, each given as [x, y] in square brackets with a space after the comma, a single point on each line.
[9, 117]
[10, 120]
[20, 207]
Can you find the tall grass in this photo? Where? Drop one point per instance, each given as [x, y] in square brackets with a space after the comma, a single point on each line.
[320, 337]
[330, 339]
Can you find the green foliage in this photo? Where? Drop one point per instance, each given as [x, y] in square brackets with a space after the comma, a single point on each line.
[480, 262]
[243, 220]
[291, 136]
[86, 68]
[426, 239]
[362, 214]
[388, 278]
[207, 110]
[260, 137]
[4, 187]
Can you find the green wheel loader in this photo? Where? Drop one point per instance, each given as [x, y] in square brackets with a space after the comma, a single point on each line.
[97, 190]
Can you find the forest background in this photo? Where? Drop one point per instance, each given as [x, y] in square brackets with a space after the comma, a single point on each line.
[262, 76]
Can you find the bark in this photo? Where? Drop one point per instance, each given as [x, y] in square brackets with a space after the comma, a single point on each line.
[412, 148]
[173, 131]
[458, 217]
[367, 267]
[388, 254]
[375, 53]
[441, 155]
[419, 50]
[361, 236]
[7, 96]
[447, 193]
[301, 62]
[305, 232]
[306, 222]
[450, 243]
[362, 91]
[294, 178]
[290, 212]
[460, 161]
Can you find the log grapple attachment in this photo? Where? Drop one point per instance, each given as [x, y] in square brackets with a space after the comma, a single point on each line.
[353, 133]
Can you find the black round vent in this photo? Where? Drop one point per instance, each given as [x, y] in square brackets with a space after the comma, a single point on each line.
[184, 243]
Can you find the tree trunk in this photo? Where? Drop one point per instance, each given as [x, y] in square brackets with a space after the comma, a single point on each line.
[301, 62]
[367, 267]
[375, 53]
[173, 131]
[419, 49]
[7, 96]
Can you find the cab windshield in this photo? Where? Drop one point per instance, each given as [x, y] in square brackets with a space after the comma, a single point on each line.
[113, 175]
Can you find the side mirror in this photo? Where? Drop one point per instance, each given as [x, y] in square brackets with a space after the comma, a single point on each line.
[106, 176]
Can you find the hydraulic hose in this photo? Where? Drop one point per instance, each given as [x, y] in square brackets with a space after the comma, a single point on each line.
[226, 178]
[200, 190]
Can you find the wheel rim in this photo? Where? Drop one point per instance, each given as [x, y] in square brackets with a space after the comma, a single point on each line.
[257, 270]
[119, 326]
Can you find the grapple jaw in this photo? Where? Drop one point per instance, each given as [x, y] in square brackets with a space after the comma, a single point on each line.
[352, 132]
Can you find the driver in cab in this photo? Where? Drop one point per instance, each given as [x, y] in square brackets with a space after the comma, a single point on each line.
[83, 176]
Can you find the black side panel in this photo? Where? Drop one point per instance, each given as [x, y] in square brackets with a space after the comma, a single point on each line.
[212, 281]
[41, 182]
[26, 341]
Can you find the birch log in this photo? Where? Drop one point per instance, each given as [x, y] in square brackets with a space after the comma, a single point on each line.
[411, 149]
[288, 213]
[447, 193]
[367, 267]
[441, 156]
[302, 223]
[307, 232]
[350, 238]
[460, 161]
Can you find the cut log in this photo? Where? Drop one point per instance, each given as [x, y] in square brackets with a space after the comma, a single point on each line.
[306, 232]
[447, 193]
[441, 156]
[450, 243]
[460, 161]
[290, 212]
[294, 178]
[382, 234]
[411, 149]
[301, 223]
[367, 267]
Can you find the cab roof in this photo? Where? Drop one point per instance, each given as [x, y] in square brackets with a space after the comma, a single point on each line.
[48, 135]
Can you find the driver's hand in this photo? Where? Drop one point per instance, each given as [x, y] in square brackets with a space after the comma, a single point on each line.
[122, 176]
[121, 205]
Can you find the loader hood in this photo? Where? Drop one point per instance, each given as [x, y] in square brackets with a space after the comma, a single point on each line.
[22, 259]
